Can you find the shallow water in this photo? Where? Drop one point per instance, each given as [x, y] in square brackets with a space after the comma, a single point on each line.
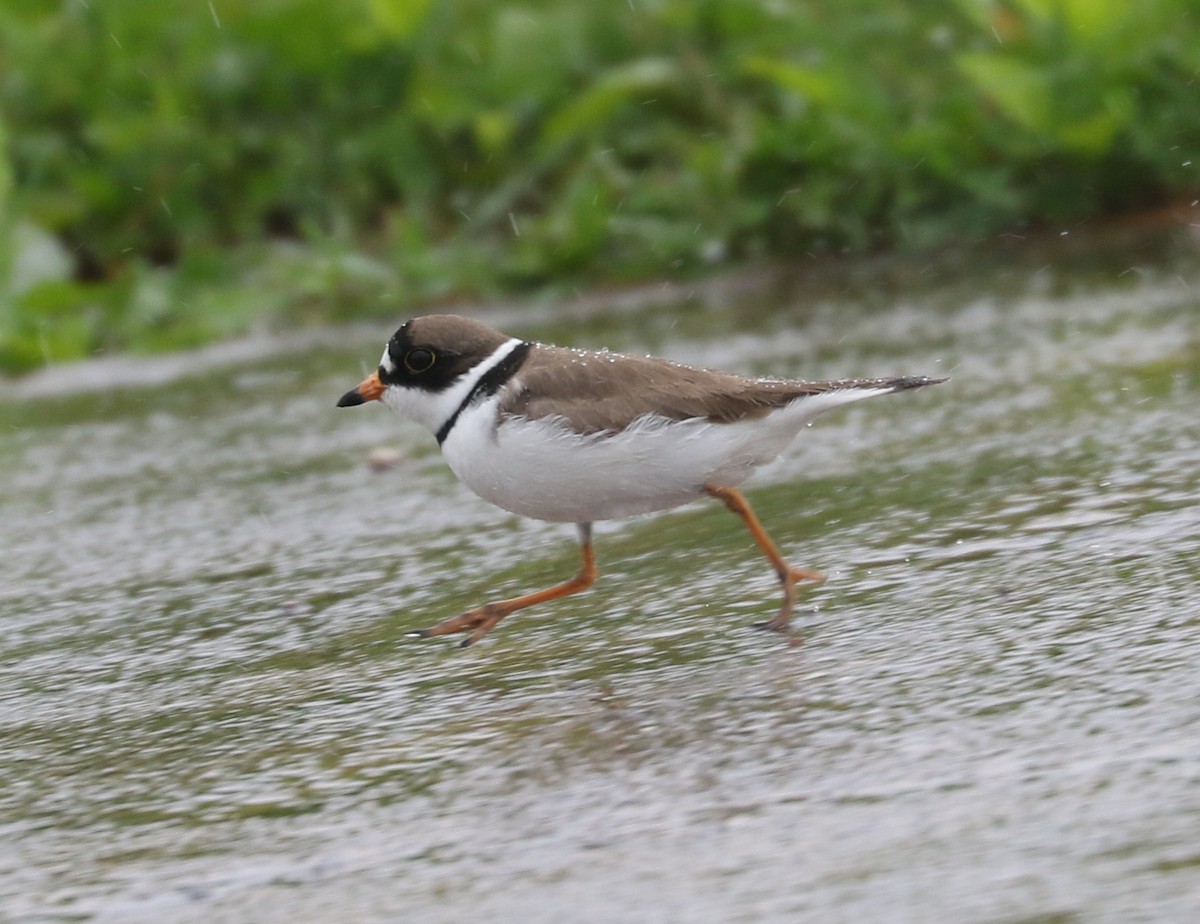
[210, 710]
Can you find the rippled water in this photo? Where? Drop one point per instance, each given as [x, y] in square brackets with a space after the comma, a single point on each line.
[210, 712]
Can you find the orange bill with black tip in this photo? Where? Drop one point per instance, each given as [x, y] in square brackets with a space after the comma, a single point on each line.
[369, 389]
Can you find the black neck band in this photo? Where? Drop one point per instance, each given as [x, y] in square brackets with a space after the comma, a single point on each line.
[489, 383]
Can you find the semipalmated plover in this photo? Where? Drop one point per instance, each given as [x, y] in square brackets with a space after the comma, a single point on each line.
[576, 436]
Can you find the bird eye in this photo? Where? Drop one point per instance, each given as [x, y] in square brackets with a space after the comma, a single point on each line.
[418, 360]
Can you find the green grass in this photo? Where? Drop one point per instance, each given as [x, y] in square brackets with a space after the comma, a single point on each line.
[173, 173]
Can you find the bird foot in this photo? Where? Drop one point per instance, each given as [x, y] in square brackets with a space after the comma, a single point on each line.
[477, 622]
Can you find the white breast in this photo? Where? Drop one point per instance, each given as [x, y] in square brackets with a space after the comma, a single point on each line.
[543, 469]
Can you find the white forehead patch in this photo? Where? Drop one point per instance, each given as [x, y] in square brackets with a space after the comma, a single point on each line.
[386, 362]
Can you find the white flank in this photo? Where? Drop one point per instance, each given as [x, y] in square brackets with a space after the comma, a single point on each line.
[545, 470]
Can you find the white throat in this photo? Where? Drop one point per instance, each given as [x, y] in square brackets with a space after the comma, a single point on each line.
[431, 409]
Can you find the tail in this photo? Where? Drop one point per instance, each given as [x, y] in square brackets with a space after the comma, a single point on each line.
[905, 382]
[820, 397]
[887, 386]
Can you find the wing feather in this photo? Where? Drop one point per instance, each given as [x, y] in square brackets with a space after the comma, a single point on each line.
[599, 392]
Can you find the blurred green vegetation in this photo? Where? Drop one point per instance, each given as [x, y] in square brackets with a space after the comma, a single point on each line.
[173, 172]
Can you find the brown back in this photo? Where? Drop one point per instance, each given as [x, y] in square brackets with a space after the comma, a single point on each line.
[604, 392]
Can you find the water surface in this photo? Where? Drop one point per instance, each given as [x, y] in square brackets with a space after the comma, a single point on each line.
[210, 711]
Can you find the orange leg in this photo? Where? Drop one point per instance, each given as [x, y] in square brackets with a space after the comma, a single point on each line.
[788, 575]
[481, 620]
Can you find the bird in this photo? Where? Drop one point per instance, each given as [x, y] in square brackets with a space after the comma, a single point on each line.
[579, 436]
